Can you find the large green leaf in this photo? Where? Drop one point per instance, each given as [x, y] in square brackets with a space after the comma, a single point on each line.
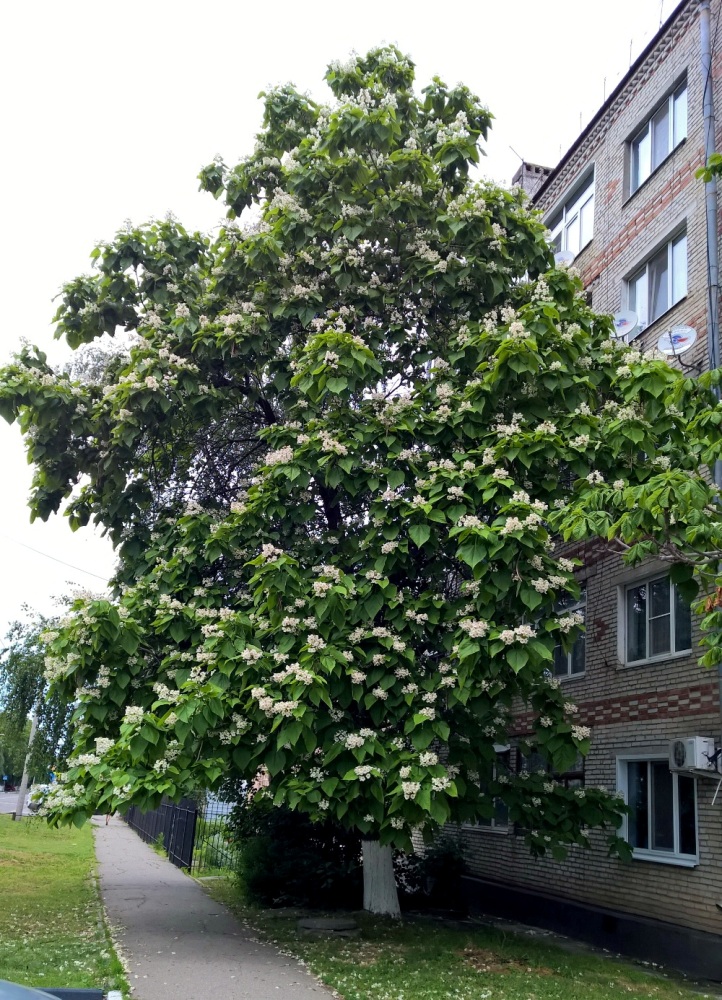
[420, 533]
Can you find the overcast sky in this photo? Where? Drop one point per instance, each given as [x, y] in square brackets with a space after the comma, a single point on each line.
[109, 111]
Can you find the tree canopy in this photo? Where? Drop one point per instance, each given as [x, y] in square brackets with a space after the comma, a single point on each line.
[24, 689]
[335, 462]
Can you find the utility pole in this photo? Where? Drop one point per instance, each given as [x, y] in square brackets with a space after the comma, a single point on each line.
[18, 814]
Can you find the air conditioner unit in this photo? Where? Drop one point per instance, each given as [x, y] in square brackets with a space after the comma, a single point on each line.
[693, 753]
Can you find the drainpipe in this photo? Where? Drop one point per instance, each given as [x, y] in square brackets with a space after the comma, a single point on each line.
[710, 204]
[713, 345]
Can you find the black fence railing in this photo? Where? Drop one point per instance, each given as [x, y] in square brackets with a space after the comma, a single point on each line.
[171, 826]
[195, 836]
[215, 850]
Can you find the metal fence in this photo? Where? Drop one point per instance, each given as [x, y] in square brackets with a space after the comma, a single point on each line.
[215, 850]
[195, 836]
[171, 826]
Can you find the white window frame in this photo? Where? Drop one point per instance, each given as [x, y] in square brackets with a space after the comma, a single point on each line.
[582, 197]
[580, 605]
[623, 624]
[674, 294]
[492, 826]
[674, 857]
[677, 133]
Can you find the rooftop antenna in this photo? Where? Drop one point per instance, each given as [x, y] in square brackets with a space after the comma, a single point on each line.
[630, 51]
[517, 154]
[661, 12]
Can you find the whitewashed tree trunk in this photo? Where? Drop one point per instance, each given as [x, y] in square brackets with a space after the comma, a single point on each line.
[380, 895]
[25, 778]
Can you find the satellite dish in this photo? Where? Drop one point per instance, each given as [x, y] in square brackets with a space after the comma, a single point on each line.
[678, 340]
[564, 257]
[625, 325]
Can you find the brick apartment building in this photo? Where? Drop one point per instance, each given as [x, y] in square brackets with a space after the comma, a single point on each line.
[625, 201]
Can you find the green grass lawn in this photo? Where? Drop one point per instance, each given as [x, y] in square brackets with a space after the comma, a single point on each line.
[424, 959]
[52, 931]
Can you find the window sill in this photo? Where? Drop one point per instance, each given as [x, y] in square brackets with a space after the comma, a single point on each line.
[665, 859]
[497, 831]
[654, 173]
[650, 661]
[571, 677]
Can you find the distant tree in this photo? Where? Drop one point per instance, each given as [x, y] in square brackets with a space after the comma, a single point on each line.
[24, 690]
[13, 745]
[333, 465]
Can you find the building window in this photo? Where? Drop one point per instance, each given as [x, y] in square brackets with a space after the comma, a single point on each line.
[662, 822]
[570, 661]
[499, 820]
[572, 226]
[660, 283]
[534, 761]
[658, 621]
[662, 133]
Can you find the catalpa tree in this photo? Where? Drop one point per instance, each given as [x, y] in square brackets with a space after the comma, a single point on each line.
[330, 460]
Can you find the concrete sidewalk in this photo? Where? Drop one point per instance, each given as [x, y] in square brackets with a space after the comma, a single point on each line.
[178, 943]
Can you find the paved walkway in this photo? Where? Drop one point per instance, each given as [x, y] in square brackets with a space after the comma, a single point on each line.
[178, 943]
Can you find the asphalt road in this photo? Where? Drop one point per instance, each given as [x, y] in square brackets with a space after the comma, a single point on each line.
[9, 801]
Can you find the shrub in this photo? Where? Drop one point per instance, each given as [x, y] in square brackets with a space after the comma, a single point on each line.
[285, 859]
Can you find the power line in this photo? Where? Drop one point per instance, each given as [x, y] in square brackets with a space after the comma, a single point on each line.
[55, 559]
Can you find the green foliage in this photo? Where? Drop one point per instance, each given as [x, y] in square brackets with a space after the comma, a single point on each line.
[24, 689]
[713, 168]
[333, 462]
[13, 745]
[285, 859]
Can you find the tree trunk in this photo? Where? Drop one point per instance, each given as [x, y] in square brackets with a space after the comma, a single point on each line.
[24, 782]
[380, 895]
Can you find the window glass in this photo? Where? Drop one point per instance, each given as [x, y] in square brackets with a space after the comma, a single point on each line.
[662, 807]
[682, 622]
[637, 795]
[641, 158]
[679, 268]
[658, 620]
[660, 135]
[662, 804]
[680, 115]
[572, 235]
[572, 226]
[637, 623]
[578, 656]
[638, 298]
[659, 617]
[586, 216]
[500, 817]
[560, 661]
[571, 661]
[659, 636]
[659, 597]
[658, 284]
[687, 818]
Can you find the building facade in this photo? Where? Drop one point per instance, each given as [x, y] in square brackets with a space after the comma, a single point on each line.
[624, 201]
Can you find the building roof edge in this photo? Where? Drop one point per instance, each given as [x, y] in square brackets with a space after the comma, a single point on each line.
[668, 24]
